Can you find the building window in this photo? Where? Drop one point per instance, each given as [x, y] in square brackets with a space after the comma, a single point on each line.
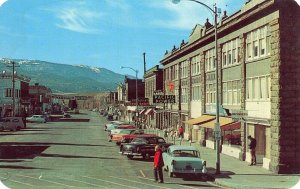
[258, 88]
[257, 43]
[184, 69]
[184, 95]
[209, 60]
[195, 65]
[196, 91]
[210, 93]
[231, 92]
[230, 52]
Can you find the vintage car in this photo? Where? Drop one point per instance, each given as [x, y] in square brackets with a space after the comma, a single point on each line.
[12, 123]
[119, 132]
[128, 138]
[142, 146]
[37, 118]
[112, 125]
[183, 160]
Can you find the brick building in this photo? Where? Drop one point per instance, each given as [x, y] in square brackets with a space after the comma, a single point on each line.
[259, 73]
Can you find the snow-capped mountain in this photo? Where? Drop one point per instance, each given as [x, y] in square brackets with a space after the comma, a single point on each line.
[66, 78]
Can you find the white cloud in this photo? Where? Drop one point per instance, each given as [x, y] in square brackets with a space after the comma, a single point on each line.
[2, 2]
[77, 17]
[187, 14]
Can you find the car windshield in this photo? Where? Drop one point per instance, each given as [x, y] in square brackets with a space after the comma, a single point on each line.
[139, 140]
[125, 131]
[185, 153]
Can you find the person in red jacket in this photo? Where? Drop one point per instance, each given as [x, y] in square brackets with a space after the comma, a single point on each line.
[180, 132]
[158, 164]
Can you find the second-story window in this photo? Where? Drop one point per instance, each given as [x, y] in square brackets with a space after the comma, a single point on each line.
[230, 51]
[210, 59]
[195, 65]
[257, 43]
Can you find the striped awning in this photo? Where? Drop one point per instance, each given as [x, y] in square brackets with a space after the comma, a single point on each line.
[149, 111]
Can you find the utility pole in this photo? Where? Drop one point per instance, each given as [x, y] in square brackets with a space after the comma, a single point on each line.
[13, 86]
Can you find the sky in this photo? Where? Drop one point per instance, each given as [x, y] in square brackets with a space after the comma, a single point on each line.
[100, 33]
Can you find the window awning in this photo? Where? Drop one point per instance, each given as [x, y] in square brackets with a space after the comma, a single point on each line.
[232, 126]
[143, 111]
[149, 111]
[222, 120]
[199, 120]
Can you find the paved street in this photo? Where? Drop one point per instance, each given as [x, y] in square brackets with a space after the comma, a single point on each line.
[75, 155]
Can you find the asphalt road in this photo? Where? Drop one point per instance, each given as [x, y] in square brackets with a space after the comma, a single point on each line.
[75, 155]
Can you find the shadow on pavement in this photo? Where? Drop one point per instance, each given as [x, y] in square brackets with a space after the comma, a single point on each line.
[72, 156]
[45, 143]
[31, 134]
[198, 177]
[224, 174]
[20, 151]
[19, 167]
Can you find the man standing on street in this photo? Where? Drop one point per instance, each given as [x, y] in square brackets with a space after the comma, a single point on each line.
[252, 147]
[158, 164]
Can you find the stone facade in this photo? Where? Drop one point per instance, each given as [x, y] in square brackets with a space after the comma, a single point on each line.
[266, 77]
[285, 91]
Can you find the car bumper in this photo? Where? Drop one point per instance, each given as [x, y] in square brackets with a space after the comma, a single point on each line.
[131, 153]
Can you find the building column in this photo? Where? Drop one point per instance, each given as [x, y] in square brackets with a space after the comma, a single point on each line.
[285, 89]
[242, 60]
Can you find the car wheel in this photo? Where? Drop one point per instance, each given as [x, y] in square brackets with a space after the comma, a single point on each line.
[1, 129]
[129, 156]
[18, 128]
[146, 156]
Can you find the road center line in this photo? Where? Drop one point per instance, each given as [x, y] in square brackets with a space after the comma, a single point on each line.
[138, 182]
[110, 182]
[142, 173]
[53, 182]
[17, 182]
[87, 183]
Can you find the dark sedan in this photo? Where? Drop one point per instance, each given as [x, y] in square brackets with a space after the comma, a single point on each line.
[143, 146]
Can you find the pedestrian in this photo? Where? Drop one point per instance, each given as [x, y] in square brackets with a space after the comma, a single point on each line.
[252, 147]
[180, 132]
[158, 164]
[165, 133]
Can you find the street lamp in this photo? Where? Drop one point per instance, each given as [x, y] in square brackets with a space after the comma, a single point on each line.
[136, 90]
[217, 128]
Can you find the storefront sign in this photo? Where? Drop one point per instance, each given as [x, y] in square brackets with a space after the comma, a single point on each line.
[164, 99]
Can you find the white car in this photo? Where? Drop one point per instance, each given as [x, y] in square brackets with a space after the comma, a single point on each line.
[11, 123]
[183, 160]
[112, 125]
[36, 118]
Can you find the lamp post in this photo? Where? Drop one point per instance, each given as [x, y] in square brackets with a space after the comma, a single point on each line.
[136, 90]
[217, 129]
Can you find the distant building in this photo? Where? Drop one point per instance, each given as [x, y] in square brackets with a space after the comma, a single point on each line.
[21, 100]
[40, 98]
[153, 85]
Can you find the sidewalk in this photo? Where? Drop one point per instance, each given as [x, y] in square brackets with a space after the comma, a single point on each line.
[237, 174]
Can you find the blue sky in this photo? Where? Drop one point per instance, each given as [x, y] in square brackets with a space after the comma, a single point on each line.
[100, 33]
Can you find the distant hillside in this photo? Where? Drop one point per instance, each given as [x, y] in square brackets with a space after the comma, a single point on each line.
[66, 78]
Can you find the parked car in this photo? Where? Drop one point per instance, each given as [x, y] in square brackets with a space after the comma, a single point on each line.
[128, 138]
[36, 118]
[112, 125]
[12, 123]
[116, 133]
[125, 132]
[122, 131]
[110, 117]
[67, 115]
[183, 160]
[142, 146]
